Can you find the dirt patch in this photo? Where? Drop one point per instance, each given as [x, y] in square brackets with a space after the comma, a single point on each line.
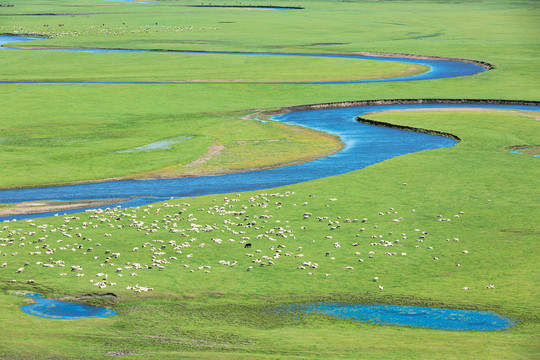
[532, 150]
[247, 142]
[406, 128]
[121, 353]
[213, 150]
[483, 64]
[49, 206]
[354, 103]
[87, 296]
[327, 44]
[247, 7]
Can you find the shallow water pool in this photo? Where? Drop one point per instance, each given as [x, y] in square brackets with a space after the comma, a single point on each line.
[56, 309]
[415, 316]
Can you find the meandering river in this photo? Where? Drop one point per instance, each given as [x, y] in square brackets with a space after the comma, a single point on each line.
[364, 145]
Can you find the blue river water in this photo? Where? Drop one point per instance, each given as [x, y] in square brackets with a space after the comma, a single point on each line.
[438, 69]
[416, 316]
[364, 145]
[56, 309]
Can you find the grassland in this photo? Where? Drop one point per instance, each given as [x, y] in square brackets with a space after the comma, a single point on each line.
[225, 313]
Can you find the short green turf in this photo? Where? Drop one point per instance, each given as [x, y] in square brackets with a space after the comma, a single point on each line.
[51, 133]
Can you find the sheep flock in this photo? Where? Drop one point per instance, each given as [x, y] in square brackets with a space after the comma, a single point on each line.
[117, 249]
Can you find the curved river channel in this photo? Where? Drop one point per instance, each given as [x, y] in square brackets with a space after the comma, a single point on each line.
[364, 145]
[438, 69]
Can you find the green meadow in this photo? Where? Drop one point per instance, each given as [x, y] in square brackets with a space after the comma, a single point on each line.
[468, 215]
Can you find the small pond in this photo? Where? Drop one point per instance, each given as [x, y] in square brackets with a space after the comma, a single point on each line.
[415, 316]
[56, 309]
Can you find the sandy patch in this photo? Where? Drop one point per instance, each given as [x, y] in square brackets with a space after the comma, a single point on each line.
[213, 150]
[48, 206]
[247, 142]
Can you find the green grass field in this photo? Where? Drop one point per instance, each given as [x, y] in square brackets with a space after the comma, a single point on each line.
[57, 133]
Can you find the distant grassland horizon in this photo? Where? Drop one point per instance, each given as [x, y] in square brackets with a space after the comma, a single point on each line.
[52, 133]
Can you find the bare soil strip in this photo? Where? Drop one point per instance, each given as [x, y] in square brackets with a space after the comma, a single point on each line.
[483, 64]
[49, 206]
[354, 103]
[213, 150]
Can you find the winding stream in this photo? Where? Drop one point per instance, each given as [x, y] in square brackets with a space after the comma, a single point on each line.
[364, 145]
[438, 69]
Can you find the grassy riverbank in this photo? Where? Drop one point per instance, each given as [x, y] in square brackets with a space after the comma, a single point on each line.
[193, 68]
[89, 119]
[67, 132]
[224, 312]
